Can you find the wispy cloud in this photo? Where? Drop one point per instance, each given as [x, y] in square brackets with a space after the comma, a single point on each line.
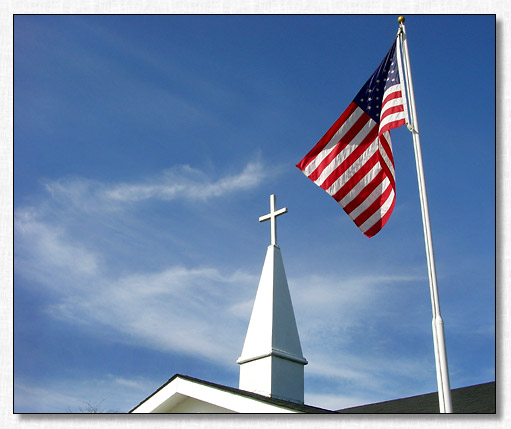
[181, 182]
[145, 306]
[190, 303]
[342, 320]
[47, 252]
[345, 304]
[185, 182]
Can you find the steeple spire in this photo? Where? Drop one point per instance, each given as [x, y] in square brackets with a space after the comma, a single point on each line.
[272, 362]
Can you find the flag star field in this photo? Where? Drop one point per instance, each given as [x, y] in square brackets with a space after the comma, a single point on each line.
[145, 150]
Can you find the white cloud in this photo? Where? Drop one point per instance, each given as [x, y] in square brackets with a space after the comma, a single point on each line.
[182, 309]
[80, 196]
[178, 309]
[46, 251]
[133, 384]
[344, 328]
[185, 182]
[344, 305]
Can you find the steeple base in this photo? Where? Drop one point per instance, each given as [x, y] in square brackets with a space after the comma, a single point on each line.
[274, 376]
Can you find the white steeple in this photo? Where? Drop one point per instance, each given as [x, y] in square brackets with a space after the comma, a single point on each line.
[272, 362]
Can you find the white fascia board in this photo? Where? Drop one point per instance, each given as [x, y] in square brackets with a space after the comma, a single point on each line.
[231, 401]
[166, 393]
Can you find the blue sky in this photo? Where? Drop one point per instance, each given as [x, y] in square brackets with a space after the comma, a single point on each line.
[146, 148]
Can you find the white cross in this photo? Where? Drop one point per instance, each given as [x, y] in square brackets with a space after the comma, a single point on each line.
[273, 216]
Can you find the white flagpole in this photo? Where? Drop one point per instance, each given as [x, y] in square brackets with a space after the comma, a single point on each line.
[444, 390]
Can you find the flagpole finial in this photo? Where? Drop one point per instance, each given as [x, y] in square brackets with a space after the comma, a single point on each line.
[401, 19]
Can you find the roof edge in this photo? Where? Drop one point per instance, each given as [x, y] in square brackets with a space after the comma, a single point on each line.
[255, 396]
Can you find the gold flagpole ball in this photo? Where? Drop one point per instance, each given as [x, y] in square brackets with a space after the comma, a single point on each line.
[401, 19]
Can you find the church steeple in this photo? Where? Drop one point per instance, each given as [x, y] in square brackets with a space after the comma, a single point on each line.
[272, 362]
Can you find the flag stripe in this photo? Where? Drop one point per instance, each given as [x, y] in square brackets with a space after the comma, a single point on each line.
[382, 219]
[391, 114]
[363, 189]
[373, 204]
[348, 143]
[387, 159]
[350, 161]
[355, 173]
[365, 199]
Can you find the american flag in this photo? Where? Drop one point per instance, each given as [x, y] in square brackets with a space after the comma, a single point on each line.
[353, 161]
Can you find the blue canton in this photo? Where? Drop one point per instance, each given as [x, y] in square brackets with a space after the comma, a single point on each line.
[370, 97]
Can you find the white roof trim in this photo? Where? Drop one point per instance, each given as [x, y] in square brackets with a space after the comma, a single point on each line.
[172, 394]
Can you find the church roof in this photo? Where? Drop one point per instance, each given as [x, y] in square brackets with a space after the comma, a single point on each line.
[469, 400]
[479, 398]
[292, 406]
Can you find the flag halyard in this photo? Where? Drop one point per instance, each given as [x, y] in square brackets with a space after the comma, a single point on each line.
[353, 161]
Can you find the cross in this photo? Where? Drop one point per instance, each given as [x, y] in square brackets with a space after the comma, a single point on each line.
[273, 217]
